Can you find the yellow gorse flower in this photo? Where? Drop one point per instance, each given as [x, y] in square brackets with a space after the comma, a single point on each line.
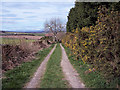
[90, 69]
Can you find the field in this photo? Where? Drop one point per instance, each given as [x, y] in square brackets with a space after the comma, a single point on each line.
[22, 37]
[2, 33]
[12, 41]
[17, 48]
[16, 39]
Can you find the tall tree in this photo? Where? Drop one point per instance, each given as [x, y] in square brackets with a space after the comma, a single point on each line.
[85, 14]
[54, 26]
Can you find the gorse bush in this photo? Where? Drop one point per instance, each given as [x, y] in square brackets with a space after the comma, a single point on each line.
[98, 45]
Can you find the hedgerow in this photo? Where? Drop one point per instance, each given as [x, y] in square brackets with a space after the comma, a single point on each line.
[98, 45]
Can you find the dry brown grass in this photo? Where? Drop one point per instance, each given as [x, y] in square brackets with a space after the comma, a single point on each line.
[13, 55]
[22, 37]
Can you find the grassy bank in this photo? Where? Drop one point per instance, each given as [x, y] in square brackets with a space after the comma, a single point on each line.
[53, 77]
[17, 77]
[92, 79]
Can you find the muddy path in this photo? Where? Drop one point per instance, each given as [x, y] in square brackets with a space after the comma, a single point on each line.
[35, 81]
[70, 73]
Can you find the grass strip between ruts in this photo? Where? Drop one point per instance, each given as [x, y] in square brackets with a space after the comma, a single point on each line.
[53, 77]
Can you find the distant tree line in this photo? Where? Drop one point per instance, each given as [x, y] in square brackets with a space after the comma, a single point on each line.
[85, 14]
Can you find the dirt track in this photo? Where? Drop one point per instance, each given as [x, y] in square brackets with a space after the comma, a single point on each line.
[34, 82]
[70, 73]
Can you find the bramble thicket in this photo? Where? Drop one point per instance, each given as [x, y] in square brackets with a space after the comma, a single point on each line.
[98, 45]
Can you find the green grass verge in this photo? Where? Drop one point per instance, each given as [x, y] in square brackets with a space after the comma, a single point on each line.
[53, 77]
[93, 79]
[14, 41]
[17, 77]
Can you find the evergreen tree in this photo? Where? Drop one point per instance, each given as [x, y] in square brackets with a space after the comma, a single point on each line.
[85, 13]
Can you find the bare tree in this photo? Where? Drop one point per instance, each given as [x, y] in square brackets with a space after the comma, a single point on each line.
[55, 26]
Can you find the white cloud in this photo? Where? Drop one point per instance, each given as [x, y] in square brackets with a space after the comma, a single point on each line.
[20, 15]
[38, 0]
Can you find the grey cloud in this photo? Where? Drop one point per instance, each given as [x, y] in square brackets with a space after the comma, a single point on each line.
[13, 18]
[27, 12]
[32, 16]
[8, 22]
[5, 11]
[8, 15]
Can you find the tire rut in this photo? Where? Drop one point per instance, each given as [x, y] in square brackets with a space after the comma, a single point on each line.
[35, 81]
[70, 73]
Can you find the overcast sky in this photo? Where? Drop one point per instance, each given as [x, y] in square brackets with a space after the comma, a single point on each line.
[26, 15]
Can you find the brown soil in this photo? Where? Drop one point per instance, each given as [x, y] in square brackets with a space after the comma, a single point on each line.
[14, 55]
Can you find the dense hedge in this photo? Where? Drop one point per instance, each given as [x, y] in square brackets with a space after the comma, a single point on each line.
[85, 13]
[98, 45]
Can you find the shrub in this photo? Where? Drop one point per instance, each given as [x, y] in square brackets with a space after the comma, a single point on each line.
[99, 45]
